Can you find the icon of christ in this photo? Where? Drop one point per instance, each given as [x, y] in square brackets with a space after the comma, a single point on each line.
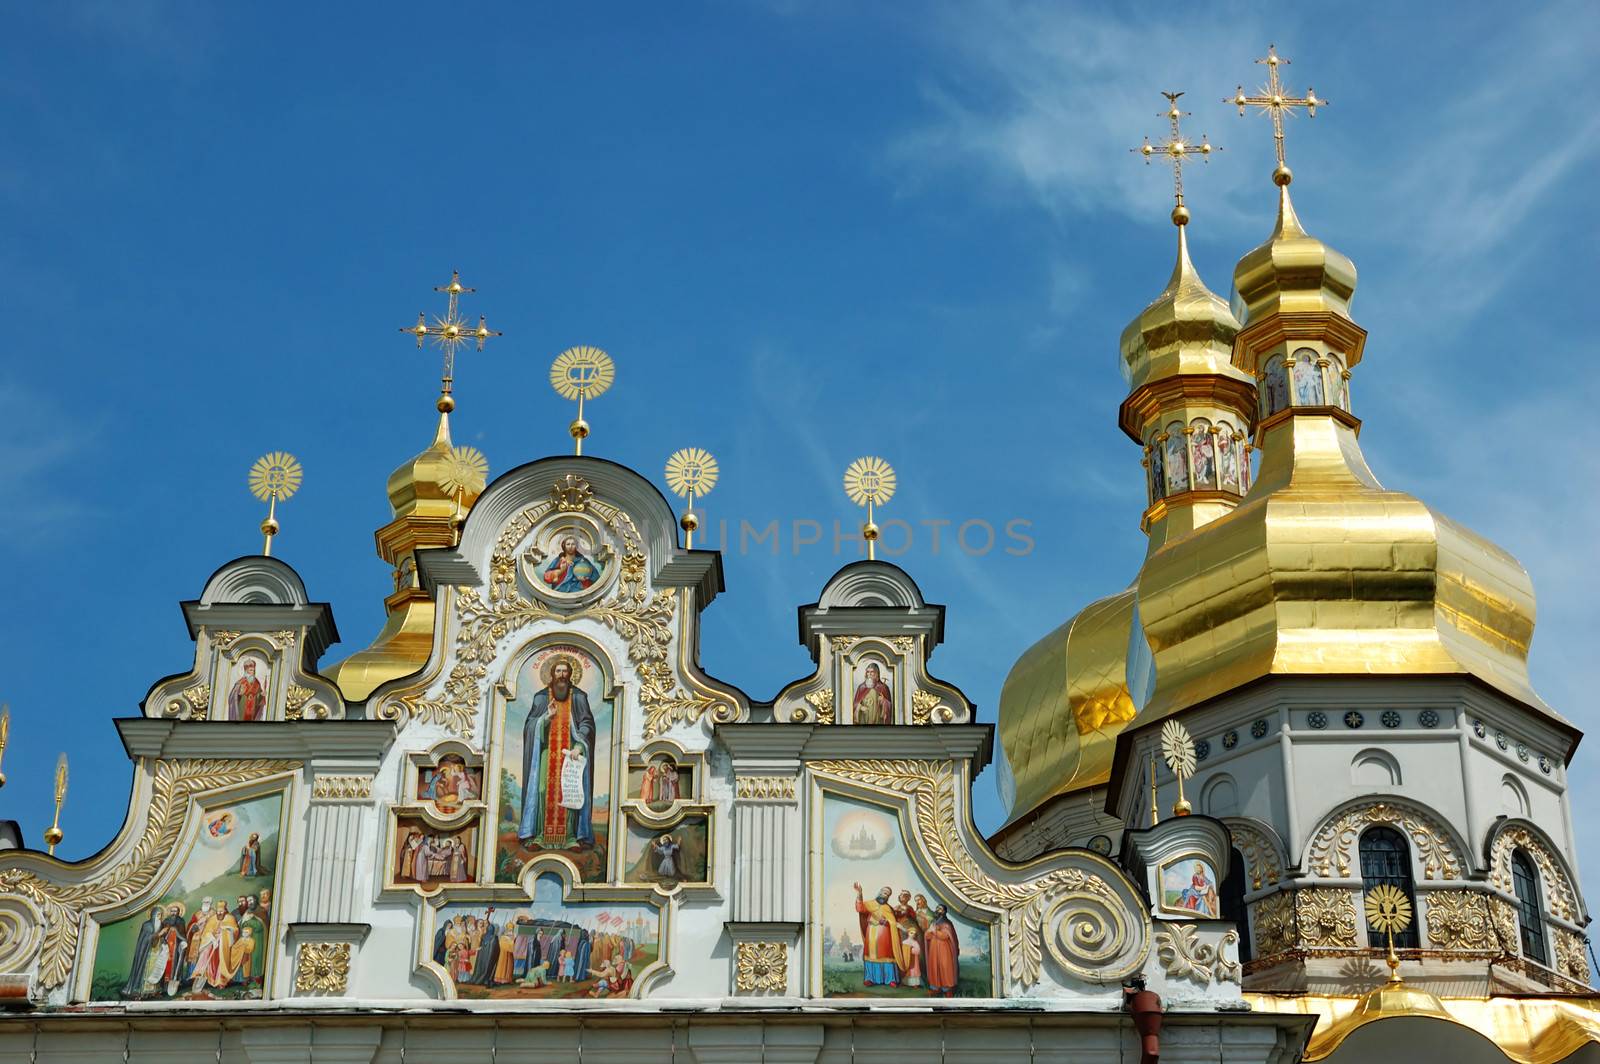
[571, 570]
[558, 754]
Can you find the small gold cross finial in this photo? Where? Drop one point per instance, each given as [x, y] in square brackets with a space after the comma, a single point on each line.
[1175, 150]
[1276, 102]
[450, 332]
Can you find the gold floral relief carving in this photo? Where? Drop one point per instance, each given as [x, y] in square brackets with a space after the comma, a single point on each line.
[764, 788]
[821, 703]
[1326, 917]
[223, 638]
[285, 639]
[904, 643]
[1570, 959]
[842, 643]
[1259, 851]
[195, 701]
[761, 966]
[1184, 955]
[571, 494]
[641, 617]
[341, 788]
[295, 706]
[1332, 845]
[1089, 928]
[1459, 919]
[322, 968]
[1274, 924]
[1557, 888]
[62, 905]
[1506, 928]
[923, 705]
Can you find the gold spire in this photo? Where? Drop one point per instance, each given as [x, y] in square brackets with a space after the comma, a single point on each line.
[53, 834]
[1277, 103]
[869, 481]
[690, 472]
[581, 373]
[5, 735]
[1175, 150]
[274, 476]
[430, 495]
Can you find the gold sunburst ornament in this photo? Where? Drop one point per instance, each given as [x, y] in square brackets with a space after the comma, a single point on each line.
[1388, 912]
[275, 476]
[1177, 750]
[869, 481]
[581, 373]
[466, 472]
[691, 471]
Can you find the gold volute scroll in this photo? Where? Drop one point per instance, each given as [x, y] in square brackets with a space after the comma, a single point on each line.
[274, 476]
[581, 373]
[869, 481]
[691, 471]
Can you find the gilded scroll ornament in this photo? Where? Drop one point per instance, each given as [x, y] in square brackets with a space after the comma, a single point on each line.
[195, 701]
[842, 643]
[294, 707]
[1332, 845]
[341, 788]
[1274, 924]
[641, 617]
[764, 788]
[1459, 919]
[904, 643]
[322, 968]
[761, 966]
[1505, 925]
[1570, 959]
[1557, 887]
[61, 905]
[1183, 955]
[1326, 917]
[571, 494]
[285, 639]
[1259, 851]
[821, 703]
[1089, 928]
[923, 704]
[223, 638]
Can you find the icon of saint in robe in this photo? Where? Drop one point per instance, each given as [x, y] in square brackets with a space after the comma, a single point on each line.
[248, 699]
[557, 806]
[883, 954]
[873, 703]
[942, 954]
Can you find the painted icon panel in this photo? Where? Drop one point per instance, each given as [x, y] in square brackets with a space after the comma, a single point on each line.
[450, 784]
[429, 856]
[208, 937]
[546, 947]
[555, 776]
[1189, 885]
[873, 700]
[886, 932]
[660, 781]
[669, 856]
[247, 694]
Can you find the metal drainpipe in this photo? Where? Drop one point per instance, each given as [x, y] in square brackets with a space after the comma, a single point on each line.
[1145, 1008]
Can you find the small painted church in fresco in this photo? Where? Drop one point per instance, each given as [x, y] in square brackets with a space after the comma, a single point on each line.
[1286, 793]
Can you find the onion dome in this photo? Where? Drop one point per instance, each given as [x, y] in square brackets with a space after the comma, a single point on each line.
[1321, 570]
[430, 495]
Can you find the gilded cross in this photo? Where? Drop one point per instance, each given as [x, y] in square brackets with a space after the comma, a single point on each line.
[451, 330]
[1175, 150]
[1275, 101]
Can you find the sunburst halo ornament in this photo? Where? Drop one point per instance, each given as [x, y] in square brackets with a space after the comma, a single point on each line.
[691, 471]
[466, 472]
[869, 481]
[1177, 749]
[581, 373]
[274, 476]
[1388, 912]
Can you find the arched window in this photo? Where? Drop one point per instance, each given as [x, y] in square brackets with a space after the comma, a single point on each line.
[1233, 906]
[1386, 859]
[1525, 879]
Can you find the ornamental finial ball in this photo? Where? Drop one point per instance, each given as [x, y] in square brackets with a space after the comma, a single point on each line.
[1180, 215]
[269, 527]
[1182, 807]
[2, 779]
[689, 522]
[445, 404]
[1282, 176]
[579, 429]
[870, 531]
[53, 836]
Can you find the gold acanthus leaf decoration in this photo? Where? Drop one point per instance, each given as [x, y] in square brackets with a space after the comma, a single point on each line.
[62, 905]
[641, 617]
[1562, 898]
[1273, 921]
[322, 968]
[762, 967]
[1326, 917]
[923, 703]
[1184, 955]
[1259, 852]
[821, 703]
[1459, 919]
[1096, 934]
[1331, 846]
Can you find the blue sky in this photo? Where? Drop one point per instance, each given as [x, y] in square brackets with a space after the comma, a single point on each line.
[805, 231]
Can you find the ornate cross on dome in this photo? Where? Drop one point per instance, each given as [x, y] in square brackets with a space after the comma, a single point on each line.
[450, 332]
[1175, 150]
[1275, 102]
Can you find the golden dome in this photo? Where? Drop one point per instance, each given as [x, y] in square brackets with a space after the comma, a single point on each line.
[1064, 702]
[1187, 329]
[1293, 272]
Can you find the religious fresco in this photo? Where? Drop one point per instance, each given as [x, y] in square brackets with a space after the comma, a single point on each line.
[886, 933]
[1177, 463]
[1189, 885]
[1203, 454]
[566, 559]
[547, 947]
[873, 702]
[428, 856]
[449, 784]
[1307, 378]
[1275, 393]
[555, 769]
[671, 855]
[208, 937]
[1229, 458]
[247, 693]
[660, 781]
